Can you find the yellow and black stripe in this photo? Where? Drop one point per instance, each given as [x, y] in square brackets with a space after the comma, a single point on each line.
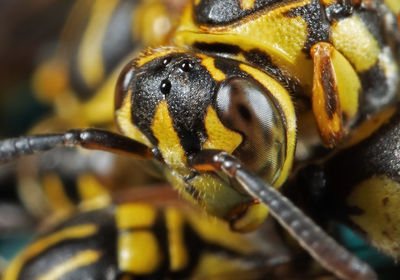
[139, 241]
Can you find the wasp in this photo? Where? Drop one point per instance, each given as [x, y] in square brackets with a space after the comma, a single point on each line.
[244, 83]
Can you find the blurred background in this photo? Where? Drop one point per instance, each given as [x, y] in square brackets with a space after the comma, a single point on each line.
[28, 33]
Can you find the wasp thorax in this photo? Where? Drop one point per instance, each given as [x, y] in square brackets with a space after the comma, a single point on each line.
[245, 106]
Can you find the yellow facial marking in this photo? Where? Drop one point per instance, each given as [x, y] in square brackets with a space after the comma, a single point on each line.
[90, 53]
[378, 197]
[124, 120]
[217, 197]
[168, 141]
[247, 4]
[54, 189]
[93, 194]
[219, 137]
[135, 215]
[83, 258]
[76, 232]
[176, 240]
[355, 42]
[208, 63]
[286, 104]
[138, 252]
[150, 55]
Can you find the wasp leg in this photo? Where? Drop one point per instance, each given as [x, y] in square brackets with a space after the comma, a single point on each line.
[93, 139]
[398, 20]
[335, 92]
[311, 237]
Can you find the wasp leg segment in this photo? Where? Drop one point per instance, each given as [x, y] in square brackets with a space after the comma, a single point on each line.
[93, 139]
[398, 20]
[335, 92]
[311, 237]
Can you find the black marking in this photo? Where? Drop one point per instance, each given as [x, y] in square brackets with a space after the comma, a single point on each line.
[230, 67]
[375, 92]
[161, 233]
[379, 153]
[146, 95]
[216, 12]
[193, 244]
[263, 60]
[70, 186]
[9, 185]
[190, 96]
[339, 10]
[318, 25]
[217, 48]
[192, 191]
[354, 211]
[329, 87]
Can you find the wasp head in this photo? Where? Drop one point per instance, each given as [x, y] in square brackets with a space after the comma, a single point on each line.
[180, 102]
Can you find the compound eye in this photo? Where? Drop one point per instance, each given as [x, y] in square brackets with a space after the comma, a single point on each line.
[245, 106]
[123, 84]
